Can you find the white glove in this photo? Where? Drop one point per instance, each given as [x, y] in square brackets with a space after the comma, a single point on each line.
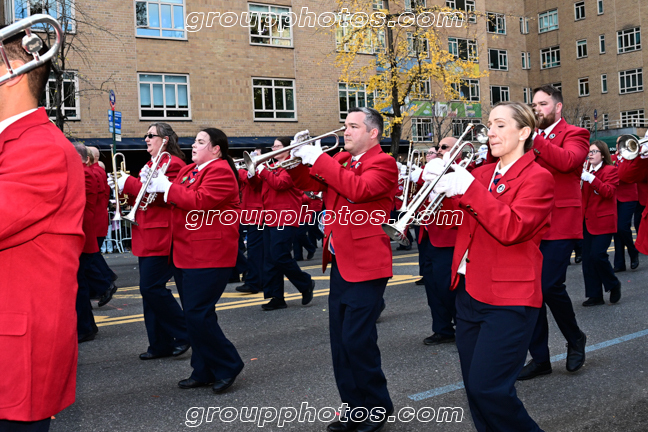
[260, 168]
[159, 184]
[643, 150]
[403, 171]
[455, 183]
[300, 136]
[588, 177]
[398, 165]
[483, 151]
[144, 173]
[308, 153]
[433, 169]
[121, 181]
[415, 175]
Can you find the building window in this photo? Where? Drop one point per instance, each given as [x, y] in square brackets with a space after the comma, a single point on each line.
[378, 4]
[526, 60]
[497, 59]
[417, 45]
[164, 96]
[160, 19]
[411, 5]
[421, 90]
[606, 121]
[274, 99]
[352, 96]
[464, 5]
[422, 129]
[633, 118]
[600, 7]
[524, 25]
[604, 88]
[57, 9]
[460, 125]
[579, 10]
[583, 87]
[372, 43]
[270, 25]
[586, 122]
[550, 57]
[499, 94]
[581, 48]
[69, 97]
[467, 89]
[528, 95]
[548, 21]
[464, 49]
[557, 86]
[496, 23]
[628, 40]
[601, 44]
[630, 81]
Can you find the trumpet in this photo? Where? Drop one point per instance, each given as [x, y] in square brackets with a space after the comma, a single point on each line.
[156, 170]
[239, 163]
[31, 43]
[313, 195]
[122, 167]
[252, 162]
[630, 147]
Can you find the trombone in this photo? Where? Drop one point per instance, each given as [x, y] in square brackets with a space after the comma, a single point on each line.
[407, 186]
[630, 147]
[252, 162]
[122, 167]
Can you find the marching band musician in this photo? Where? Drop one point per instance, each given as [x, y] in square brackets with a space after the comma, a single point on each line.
[301, 240]
[627, 202]
[204, 256]
[497, 266]
[636, 170]
[164, 320]
[599, 224]
[360, 180]
[282, 199]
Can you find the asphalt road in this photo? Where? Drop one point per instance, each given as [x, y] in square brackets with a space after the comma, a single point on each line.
[288, 365]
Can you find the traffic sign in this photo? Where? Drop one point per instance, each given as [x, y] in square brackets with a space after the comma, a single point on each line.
[112, 100]
[117, 120]
[595, 114]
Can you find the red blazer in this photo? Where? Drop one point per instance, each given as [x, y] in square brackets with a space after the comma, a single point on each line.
[152, 235]
[315, 204]
[362, 248]
[101, 210]
[280, 197]
[89, 218]
[438, 236]
[502, 232]
[41, 239]
[642, 195]
[564, 155]
[626, 192]
[251, 200]
[636, 171]
[213, 243]
[600, 201]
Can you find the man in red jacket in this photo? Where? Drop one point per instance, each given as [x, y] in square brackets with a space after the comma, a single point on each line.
[41, 238]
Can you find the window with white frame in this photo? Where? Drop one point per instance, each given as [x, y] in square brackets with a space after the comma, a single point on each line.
[422, 129]
[550, 57]
[586, 122]
[421, 90]
[583, 86]
[371, 42]
[464, 5]
[579, 10]
[601, 44]
[274, 99]
[633, 118]
[599, 5]
[164, 96]
[464, 49]
[417, 45]
[524, 25]
[628, 40]
[69, 96]
[467, 89]
[270, 25]
[498, 59]
[460, 125]
[557, 86]
[630, 81]
[411, 5]
[528, 95]
[604, 88]
[352, 96]
[496, 23]
[581, 48]
[606, 121]
[499, 94]
[378, 4]
[160, 19]
[526, 60]
[548, 21]
[62, 10]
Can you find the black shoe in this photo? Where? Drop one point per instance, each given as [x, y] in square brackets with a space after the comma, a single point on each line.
[308, 295]
[533, 369]
[179, 350]
[578, 259]
[87, 337]
[342, 426]
[594, 301]
[615, 294]
[274, 303]
[576, 354]
[221, 385]
[114, 277]
[150, 356]
[374, 426]
[437, 339]
[234, 278]
[634, 263]
[420, 282]
[619, 269]
[247, 289]
[190, 383]
[405, 248]
[310, 256]
[108, 295]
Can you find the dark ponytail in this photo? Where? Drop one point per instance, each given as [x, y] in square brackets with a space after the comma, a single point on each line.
[218, 138]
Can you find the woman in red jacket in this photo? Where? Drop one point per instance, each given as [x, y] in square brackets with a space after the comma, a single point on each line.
[497, 266]
[206, 212]
[599, 224]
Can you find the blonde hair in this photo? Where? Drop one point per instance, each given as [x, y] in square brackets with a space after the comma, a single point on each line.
[524, 117]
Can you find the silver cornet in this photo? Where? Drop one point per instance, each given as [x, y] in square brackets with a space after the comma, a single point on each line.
[629, 147]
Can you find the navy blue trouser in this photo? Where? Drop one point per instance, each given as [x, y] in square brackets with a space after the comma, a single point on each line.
[314, 233]
[213, 356]
[637, 216]
[241, 261]
[436, 268]
[421, 247]
[496, 338]
[278, 261]
[164, 320]
[100, 276]
[354, 308]
[556, 255]
[301, 242]
[85, 319]
[254, 257]
[623, 236]
[18, 426]
[597, 270]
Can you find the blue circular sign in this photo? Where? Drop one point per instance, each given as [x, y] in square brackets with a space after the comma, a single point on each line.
[112, 98]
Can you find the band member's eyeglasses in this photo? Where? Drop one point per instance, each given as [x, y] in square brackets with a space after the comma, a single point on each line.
[150, 136]
[432, 153]
[593, 152]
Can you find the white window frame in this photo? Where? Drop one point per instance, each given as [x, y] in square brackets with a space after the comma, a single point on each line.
[160, 3]
[281, 16]
[579, 8]
[548, 21]
[341, 34]
[601, 44]
[623, 35]
[459, 125]
[604, 83]
[527, 95]
[408, 4]
[500, 22]
[581, 48]
[10, 12]
[546, 54]
[628, 118]
[526, 60]
[504, 94]
[502, 59]
[600, 9]
[524, 25]
[425, 125]
[413, 40]
[274, 110]
[76, 108]
[353, 90]
[468, 7]
[583, 87]
[377, 4]
[558, 86]
[472, 85]
[626, 75]
[606, 121]
[164, 107]
[471, 47]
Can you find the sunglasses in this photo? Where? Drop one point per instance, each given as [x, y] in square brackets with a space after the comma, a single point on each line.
[150, 136]
[445, 147]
